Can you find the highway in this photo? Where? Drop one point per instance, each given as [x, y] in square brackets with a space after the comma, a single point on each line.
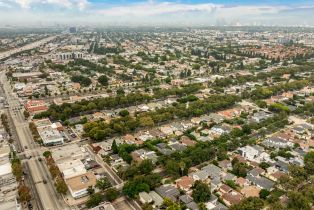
[47, 196]
[7, 54]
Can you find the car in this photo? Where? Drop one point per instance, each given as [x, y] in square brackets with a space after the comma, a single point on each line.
[73, 135]
[30, 206]
[25, 147]
[39, 159]
[44, 181]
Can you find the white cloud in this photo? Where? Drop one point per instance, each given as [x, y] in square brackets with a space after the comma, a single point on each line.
[157, 12]
[151, 8]
[26, 4]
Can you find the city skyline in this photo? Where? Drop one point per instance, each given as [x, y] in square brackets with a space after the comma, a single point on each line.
[153, 12]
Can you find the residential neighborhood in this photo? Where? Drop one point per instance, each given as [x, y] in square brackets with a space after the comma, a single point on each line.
[160, 119]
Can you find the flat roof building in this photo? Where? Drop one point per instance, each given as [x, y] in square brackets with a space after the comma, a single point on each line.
[78, 185]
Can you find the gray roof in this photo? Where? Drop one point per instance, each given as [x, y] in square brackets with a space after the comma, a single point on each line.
[220, 207]
[186, 199]
[178, 147]
[282, 166]
[229, 176]
[156, 198]
[192, 206]
[203, 175]
[212, 170]
[261, 182]
[168, 191]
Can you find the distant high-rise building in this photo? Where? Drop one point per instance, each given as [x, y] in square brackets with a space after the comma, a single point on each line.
[72, 30]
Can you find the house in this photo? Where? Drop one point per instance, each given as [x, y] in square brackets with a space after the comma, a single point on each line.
[184, 183]
[219, 206]
[276, 175]
[143, 154]
[225, 165]
[201, 175]
[78, 185]
[167, 130]
[250, 191]
[256, 172]
[168, 191]
[227, 176]
[157, 200]
[192, 206]
[212, 171]
[185, 199]
[177, 147]
[145, 197]
[249, 152]
[277, 142]
[232, 198]
[225, 189]
[216, 118]
[242, 182]
[221, 129]
[260, 116]
[261, 182]
[186, 141]
[163, 149]
[281, 166]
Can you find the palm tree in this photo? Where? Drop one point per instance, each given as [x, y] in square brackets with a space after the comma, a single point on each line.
[182, 166]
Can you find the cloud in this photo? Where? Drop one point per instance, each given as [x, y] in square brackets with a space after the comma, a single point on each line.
[151, 8]
[158, 12]
[27, 4]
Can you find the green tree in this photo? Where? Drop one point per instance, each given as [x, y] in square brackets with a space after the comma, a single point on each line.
[61, 186]
[170, 205]
[124, 113]
[251, 203]
[201, 192]
[90, 190]
[94, 200]
[103, 80]
[146, 121]
[103, 183]
[297, 201]
[309, 162]
[114, 147]
[24, 193]
[17, 169]
[26, 114]
[47, 154]
[146, 166]
[263, 193]
[264, 165]
[111, 194]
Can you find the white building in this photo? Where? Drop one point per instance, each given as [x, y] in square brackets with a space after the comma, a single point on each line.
[50, 136]
[72, 168]
[249, 152]
[78, 185]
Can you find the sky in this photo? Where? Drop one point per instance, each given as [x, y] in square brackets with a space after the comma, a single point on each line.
[157, 12]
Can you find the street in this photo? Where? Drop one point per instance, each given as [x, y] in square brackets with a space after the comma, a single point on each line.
[46, 195]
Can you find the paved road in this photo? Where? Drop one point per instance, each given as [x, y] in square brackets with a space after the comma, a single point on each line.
[117, 183]
[7, 54]
[47, 196]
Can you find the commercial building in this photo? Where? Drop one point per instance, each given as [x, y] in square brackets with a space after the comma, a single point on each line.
[78, 185]
[36, 106]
